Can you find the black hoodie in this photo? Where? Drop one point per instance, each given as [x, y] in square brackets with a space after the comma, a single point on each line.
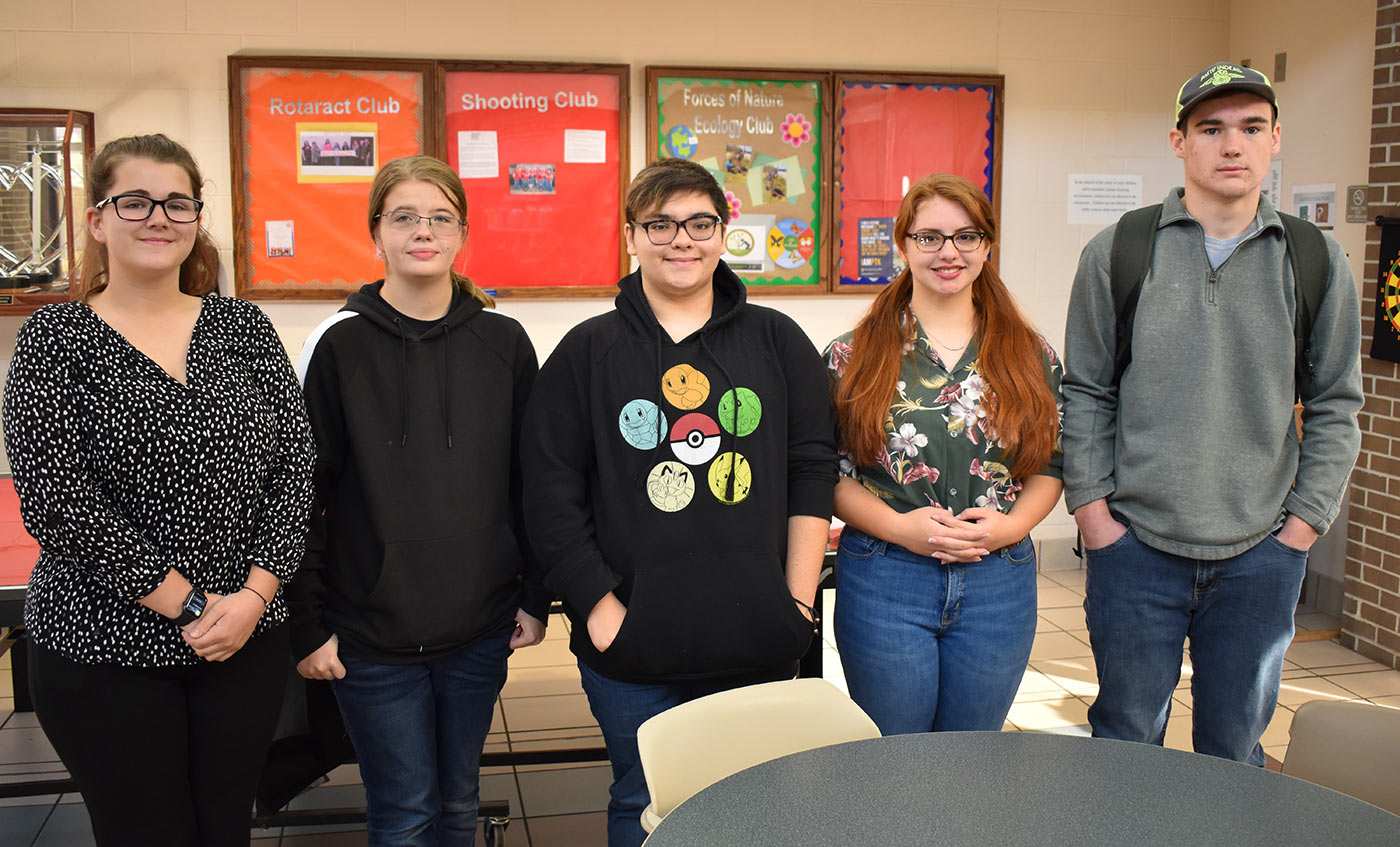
[417, 552]
[622, 499]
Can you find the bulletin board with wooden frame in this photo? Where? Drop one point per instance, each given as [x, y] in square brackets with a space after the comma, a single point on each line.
[307, 135]
[890, 128]
[542, 152]
[763, 134]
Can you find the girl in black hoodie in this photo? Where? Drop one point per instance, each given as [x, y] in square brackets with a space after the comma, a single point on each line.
[413, 594]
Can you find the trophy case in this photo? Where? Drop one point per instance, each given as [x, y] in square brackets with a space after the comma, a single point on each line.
[44, 154]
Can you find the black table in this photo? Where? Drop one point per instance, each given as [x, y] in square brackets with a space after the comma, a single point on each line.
[1016, 788]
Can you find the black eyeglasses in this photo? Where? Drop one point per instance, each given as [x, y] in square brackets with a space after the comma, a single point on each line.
[662, 231]
[931, 242]
[443, 226]
[138, 207]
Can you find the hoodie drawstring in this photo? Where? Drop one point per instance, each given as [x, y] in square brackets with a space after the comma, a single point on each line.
[447, 382]
[403, 383]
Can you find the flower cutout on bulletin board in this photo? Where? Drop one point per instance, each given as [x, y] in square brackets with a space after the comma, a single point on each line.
[796, 130]
[735, 204]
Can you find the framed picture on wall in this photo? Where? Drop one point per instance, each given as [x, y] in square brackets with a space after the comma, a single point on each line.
[762, 134]
[891, 131]
[307, 137]
[541, 149]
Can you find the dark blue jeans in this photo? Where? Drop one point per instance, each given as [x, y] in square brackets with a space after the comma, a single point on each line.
[418, 730]
[620, 708]
[1142, 605]
[928, 646]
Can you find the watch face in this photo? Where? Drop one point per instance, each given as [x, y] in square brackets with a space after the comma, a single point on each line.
[196, 603]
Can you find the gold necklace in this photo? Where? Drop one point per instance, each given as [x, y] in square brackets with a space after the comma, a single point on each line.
[949, 346]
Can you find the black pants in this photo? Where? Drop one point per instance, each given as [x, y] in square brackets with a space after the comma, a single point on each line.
[165, 757]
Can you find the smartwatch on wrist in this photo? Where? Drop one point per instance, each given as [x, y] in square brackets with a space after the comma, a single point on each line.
[192, 608]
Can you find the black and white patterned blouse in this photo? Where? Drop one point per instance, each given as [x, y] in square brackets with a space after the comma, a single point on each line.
[123, 473]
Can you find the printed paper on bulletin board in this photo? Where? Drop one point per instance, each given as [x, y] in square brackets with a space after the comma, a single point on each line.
[540, 158]
[894, 134]
[762, 141]
[311, 141]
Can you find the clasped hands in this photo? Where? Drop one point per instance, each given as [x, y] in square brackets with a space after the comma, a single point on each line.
[225, 626]
[962, 538]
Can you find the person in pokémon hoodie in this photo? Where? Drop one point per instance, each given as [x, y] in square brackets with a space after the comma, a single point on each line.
[412, 595]
[680, 458]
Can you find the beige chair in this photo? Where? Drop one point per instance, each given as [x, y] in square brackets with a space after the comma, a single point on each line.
[1353, 748]
[696, 744]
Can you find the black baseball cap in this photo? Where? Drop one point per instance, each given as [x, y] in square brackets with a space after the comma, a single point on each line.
[1220, 79]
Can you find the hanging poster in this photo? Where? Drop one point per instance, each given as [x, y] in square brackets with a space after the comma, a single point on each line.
[892, 130]
[308, 136]
[1385, 340]
[541, 151]
[760, 134]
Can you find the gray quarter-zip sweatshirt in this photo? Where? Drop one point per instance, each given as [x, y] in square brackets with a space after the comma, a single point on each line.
[1197, 446]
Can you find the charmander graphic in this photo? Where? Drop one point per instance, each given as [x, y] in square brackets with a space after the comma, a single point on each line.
[685, 387]
[670, 486]
[720, 470]
[748, 414]
[695, 439]
[640, 425]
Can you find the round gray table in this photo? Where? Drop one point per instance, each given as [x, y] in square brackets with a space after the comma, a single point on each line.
[1016, 788]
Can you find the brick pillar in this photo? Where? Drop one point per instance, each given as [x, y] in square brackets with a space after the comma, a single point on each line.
[1371, 606]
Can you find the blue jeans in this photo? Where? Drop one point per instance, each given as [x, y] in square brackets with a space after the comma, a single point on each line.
[1142, 604]
[620, 708]
[932, 646]
[418, 730]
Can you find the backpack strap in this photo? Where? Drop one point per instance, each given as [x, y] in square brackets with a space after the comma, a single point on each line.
[1133, 242]
[1307, 251]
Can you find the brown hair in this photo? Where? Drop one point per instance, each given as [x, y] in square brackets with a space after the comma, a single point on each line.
[1020, 406]
[436, 173]
[662, 180]
[199, 273]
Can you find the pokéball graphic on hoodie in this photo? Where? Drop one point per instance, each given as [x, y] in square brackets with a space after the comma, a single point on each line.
[695, 439]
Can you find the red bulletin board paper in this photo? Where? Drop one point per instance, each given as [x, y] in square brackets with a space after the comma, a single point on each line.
[566, 239]
[331, 242]
[890, 131]
[18, 552]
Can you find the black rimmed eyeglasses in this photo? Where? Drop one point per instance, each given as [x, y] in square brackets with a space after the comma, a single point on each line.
[931, 242]
[138, 207]
[662, 231]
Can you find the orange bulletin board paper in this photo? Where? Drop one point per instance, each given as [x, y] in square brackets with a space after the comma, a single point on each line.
[307, 144]
[540, 155]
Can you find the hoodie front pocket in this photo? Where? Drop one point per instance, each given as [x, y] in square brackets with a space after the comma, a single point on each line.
[440, 592]
[710, 615]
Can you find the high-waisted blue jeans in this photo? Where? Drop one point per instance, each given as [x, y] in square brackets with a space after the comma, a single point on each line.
[928, 646]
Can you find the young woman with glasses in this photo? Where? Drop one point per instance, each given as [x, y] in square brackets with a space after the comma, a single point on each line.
[411, 596]
[162, 457]
[947, 402]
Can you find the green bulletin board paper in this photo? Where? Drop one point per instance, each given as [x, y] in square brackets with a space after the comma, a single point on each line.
[762, 139]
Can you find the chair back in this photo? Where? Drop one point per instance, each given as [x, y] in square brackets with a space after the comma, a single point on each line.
[696, 744]
[1353, 748]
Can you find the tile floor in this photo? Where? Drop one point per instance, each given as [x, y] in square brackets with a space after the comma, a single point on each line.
[543, 707]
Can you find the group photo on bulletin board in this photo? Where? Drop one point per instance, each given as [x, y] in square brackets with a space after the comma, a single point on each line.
[813, 165]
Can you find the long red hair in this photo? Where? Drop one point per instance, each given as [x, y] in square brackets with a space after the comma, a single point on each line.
[1020, 406]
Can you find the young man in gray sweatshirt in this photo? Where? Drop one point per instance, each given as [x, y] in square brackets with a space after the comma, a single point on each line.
[1196, 501]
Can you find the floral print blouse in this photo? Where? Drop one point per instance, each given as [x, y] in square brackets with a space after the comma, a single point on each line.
[939, 449]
